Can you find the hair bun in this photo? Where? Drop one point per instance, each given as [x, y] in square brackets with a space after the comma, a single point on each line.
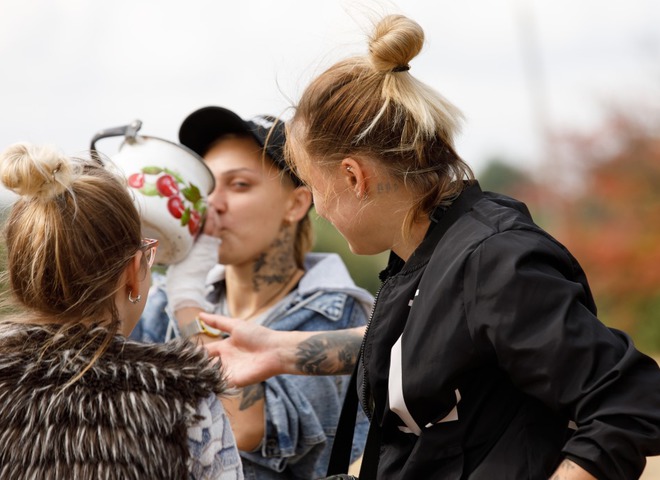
[396, 40]
[35, 171]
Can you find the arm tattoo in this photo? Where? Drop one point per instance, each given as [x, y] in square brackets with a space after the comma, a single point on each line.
[251, 395]
[332, 353]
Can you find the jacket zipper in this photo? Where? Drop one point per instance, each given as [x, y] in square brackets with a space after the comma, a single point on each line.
[363, 397]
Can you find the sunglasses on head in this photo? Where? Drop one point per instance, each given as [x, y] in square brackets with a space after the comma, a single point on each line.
[149, 247]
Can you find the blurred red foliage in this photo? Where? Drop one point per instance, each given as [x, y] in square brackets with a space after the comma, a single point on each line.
[611, 220]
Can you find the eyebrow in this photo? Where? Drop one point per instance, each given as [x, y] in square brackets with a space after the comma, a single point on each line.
[238, 170]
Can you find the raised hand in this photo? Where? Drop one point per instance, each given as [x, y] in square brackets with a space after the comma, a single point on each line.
[252, 353]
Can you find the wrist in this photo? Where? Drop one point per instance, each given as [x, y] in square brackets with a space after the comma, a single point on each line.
[288, 351]
[208, 242]
[185, 283]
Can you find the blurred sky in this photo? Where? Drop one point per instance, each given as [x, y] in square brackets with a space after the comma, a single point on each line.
[73, 67]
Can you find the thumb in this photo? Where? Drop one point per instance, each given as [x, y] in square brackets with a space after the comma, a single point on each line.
[220, 322]
[210, 221]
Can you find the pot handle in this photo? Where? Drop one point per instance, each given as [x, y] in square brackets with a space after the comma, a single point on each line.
[129, 131]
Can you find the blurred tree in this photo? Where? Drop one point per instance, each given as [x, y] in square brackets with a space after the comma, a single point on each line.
[7, 304]
[502, 177]
[363, 268]
[612, 223]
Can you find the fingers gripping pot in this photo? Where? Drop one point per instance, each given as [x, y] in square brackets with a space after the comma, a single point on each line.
[170, 185]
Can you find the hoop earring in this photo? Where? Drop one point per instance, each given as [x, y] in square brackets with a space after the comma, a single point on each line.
[134, 300]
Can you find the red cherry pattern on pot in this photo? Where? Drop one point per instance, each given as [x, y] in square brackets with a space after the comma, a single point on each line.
[136, 180]
[193, 223]
[175, 207]
[185, 201]
[166, 185]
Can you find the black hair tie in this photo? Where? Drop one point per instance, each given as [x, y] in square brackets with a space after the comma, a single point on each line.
[401, 68]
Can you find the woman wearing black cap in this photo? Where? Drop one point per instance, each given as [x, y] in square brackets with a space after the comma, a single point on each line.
[262, 273]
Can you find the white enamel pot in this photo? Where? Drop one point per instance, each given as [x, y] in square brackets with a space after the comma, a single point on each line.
[170, 185]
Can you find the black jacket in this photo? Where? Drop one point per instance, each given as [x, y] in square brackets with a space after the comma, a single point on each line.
[485, 344]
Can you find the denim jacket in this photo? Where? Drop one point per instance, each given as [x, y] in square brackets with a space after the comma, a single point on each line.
[213, 452]
[302, 412]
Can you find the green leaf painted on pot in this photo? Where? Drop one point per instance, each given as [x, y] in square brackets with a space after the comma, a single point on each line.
[175, 174]
[153, 170]
[200, 206]
[191, 193]
[149, 189]
[185, 218]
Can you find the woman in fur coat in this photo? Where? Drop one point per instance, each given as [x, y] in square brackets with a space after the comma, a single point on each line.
[77, 399]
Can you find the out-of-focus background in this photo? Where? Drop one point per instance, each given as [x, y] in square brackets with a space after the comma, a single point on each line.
[561, 98]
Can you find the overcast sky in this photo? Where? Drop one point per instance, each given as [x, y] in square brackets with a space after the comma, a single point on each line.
[73, 67]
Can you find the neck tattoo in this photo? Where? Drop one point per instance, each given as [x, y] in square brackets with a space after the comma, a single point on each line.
[284, 288]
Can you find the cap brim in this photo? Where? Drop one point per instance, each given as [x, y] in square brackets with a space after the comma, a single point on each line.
[202, 127]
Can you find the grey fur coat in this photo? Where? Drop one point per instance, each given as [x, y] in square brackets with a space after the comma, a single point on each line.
[126, 418]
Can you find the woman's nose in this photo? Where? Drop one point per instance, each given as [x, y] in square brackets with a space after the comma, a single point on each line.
[218, 200]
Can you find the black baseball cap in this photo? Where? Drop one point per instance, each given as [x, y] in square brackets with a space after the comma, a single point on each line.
[204, 126]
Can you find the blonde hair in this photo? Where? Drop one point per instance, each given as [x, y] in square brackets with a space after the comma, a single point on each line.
[371, 106]
[69, 236]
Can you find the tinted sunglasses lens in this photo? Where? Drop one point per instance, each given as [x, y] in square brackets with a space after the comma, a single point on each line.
[149, 247]
[151, 256]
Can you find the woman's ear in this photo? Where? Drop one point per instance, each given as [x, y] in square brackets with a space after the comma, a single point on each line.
[300, 205]
[356, 175]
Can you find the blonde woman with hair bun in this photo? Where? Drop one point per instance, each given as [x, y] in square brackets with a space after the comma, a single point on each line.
[483, 357]
[77, 399]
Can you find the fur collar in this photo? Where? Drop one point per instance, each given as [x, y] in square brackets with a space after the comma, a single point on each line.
[126, 417]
